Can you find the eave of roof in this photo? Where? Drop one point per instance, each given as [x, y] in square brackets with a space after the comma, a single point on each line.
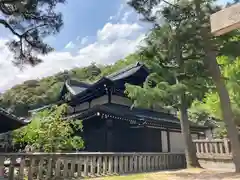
[10, 122]
[126, 72]
[82, 87]
[115, 109]
[76, 87]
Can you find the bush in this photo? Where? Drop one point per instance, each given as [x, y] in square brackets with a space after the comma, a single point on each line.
[50, 132]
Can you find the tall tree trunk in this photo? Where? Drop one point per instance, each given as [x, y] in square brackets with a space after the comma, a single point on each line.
[214, 70]
[225, 102]
[190, 149]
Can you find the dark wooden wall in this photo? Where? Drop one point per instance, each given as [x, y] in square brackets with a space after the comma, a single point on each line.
[94, 135]
[113, 135]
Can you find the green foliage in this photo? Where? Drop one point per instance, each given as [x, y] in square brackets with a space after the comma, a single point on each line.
[49, 132]
[176, 50]
[162, 95]
[171, 75]
[210, 104]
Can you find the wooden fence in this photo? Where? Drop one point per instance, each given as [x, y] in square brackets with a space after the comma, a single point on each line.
[213, 149]
[76, 165]
[214, 154]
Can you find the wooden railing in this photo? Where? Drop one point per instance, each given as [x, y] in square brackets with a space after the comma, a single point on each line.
[213, 149]
[77, 165]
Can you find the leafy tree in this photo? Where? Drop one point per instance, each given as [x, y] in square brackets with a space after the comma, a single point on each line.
[214, 70]
[171, 83]
[210, 105]
[182, 15]
[30, 21]
[49, 132]
[93, 70]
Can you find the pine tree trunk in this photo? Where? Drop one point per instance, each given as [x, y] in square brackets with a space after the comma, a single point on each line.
[214, 70]
[190, 149]
[227, 112]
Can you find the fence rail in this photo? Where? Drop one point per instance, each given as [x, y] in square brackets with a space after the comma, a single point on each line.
[76, 165]
[213, 149]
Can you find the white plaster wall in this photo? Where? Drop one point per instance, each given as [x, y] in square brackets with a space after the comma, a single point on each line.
[176, 142]
[121, 100]
[164, 141]
[208, 134]
[82, 106]
[99, 101]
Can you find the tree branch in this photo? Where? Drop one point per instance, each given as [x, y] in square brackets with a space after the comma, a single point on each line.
[170, 4]
[3, 22]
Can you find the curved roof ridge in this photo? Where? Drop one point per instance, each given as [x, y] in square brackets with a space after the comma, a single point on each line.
[75, 82]
[127, 68]
[10, 115]
[10, 121]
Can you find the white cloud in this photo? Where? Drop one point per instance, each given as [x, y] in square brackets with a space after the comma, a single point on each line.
[126, 16]
[84, 40]
[111, 32]
[70, 45]
[114, 41]
[111, 18]
[119, 12]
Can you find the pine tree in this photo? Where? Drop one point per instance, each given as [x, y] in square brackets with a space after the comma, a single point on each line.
[30, 21]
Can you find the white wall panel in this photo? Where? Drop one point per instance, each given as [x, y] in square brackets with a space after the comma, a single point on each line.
[164, 141]
[177, 142]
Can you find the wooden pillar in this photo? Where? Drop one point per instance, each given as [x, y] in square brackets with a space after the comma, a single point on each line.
[2, 158]
[168, 141]
[109, 94]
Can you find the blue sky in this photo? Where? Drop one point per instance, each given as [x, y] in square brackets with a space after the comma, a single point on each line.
[84, 18]
[94, 31]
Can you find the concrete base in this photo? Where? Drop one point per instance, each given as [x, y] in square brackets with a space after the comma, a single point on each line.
[226, 165]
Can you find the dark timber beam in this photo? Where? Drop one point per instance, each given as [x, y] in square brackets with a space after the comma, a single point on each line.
[168, 140]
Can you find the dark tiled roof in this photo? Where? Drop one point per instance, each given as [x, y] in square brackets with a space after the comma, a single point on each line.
[41, 108]
[9, 115]
[143, 113]
[9, 121]
[123, 73]
[134, 114]
[75, 87]
[126, 112]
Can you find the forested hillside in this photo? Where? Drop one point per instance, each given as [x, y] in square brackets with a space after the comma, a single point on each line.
[36, 93]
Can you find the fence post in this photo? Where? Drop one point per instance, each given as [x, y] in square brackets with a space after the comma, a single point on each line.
[226, 145]
[2, 159]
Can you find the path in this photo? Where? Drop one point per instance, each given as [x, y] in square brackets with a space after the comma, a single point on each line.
[192, 174]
